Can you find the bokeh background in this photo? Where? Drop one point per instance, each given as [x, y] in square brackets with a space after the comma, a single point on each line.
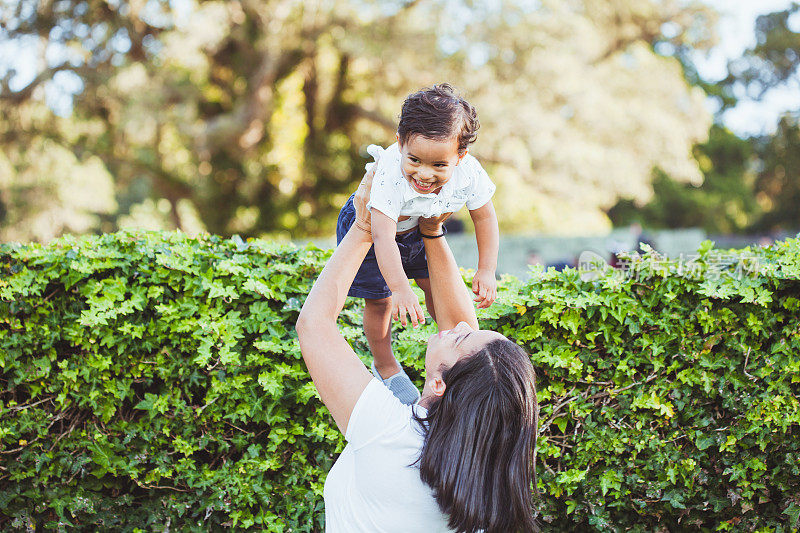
[252, 117]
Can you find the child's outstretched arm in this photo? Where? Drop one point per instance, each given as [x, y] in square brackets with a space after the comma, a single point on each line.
[487, 233]
[388, 255]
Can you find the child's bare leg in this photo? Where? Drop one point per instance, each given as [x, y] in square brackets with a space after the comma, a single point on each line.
[378, 329]
[425, 285]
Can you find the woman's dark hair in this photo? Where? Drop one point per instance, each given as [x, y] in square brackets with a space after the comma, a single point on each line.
[438, 113]
[480, 441]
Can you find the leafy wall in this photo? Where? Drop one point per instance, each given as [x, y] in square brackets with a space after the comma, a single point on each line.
[153, 382]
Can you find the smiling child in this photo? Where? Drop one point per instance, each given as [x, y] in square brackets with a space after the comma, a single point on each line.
[428, 172]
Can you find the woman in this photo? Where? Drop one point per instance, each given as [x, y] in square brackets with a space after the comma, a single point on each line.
[458, 460]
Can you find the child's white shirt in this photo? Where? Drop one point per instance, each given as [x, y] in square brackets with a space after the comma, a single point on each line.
[393, 195]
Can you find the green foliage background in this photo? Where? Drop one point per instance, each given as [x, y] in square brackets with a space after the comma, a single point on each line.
[152, 381]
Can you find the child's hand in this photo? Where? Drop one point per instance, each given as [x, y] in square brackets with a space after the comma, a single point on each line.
[484, 285]
[404, 301]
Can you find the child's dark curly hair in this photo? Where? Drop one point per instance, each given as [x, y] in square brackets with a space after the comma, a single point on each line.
[439, 113]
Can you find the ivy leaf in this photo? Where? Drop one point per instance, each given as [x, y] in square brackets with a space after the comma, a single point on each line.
[705, 442]
[675, 499]
[610, 480]
[793, 512]
[705, 247]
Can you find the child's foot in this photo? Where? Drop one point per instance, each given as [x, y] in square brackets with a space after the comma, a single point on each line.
[400, 385]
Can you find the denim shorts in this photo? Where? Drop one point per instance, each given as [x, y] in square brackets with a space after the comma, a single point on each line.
[369, 282]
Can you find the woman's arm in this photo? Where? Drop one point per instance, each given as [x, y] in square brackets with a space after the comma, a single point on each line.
[337, 372]
[487, 233]
[451, 298]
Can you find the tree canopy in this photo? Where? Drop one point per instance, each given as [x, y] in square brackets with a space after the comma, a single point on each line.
[749, 184]
[252, 116]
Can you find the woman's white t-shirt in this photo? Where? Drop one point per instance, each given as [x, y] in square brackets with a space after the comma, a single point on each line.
[392, 194]
[371, 487]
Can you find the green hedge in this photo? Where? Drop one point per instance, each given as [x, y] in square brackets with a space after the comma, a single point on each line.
[153, 382]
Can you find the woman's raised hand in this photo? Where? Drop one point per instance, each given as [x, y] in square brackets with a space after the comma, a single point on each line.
[360, 200]
[433, 225]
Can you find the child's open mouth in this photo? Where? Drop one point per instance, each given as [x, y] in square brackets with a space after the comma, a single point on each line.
[424, 187]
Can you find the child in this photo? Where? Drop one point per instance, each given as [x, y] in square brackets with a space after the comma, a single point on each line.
[427, 173]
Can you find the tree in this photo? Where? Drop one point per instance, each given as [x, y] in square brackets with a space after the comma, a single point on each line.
[774, 59]
[778, 184]
[774, 62]
[749, 184]
[252, 116]
[724, 203]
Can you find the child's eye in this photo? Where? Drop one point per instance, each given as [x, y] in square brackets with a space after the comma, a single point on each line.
[414, 159]
[441, 165]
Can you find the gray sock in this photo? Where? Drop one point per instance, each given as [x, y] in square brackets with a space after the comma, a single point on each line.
[400, 385]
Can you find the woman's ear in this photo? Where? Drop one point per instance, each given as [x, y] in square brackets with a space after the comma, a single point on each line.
[438, 386]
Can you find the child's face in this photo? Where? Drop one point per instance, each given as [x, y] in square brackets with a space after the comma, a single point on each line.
[428, 164]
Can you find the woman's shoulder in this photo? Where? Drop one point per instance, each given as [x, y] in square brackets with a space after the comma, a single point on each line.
[377, 413]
